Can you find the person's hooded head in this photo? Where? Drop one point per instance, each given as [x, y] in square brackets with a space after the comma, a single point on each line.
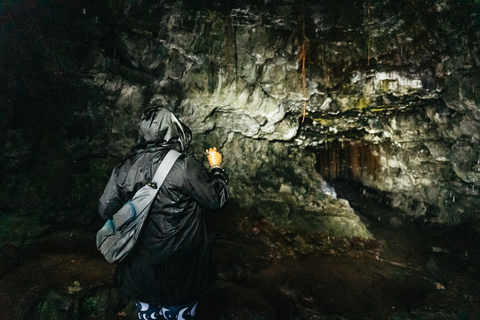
[160, 127]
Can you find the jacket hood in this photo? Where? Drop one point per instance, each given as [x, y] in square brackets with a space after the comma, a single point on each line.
[161, 127]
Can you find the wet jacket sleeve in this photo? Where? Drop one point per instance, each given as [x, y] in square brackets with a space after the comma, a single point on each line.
[208, 189]
[110, 201]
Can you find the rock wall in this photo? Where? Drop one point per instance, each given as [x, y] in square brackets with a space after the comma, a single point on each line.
[398, 75]
[398, 78]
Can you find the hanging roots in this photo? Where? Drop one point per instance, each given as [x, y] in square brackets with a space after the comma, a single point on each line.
[303, 57]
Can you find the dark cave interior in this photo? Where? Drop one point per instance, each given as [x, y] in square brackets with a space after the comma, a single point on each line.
[355, 179]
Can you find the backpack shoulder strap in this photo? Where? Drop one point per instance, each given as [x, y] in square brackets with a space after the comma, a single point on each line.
[165, 167]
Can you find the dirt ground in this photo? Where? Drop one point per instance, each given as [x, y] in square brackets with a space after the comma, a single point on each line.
[409, 272]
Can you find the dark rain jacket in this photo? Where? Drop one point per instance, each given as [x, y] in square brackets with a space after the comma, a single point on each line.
[171, 263]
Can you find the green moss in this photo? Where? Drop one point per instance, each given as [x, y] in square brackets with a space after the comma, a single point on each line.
[18, 228]
[56, 198]
[54, 307]
[324, 122]
[362, 103]
[94, 305]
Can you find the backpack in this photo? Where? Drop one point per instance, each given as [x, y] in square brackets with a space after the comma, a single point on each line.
[119, 234]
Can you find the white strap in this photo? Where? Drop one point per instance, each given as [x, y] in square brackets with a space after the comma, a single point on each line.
[164, 167]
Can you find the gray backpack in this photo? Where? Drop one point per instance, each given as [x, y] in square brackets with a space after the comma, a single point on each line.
[119, 234]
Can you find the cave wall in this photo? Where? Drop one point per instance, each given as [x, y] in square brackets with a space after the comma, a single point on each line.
[395, 74]
[397, 78]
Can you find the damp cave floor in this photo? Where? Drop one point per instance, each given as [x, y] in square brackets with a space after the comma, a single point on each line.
[415, 272]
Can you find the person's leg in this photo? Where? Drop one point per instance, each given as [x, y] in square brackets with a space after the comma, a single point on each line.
[146, 311]
[183, 312]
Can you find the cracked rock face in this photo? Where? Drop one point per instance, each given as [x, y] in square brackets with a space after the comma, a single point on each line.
[381, 75]
[389, 100]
